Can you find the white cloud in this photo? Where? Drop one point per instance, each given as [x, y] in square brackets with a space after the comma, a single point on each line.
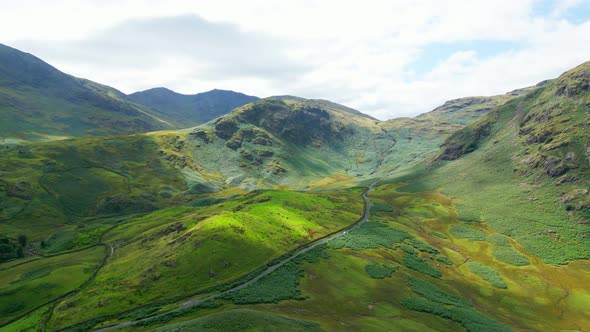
[359, 53]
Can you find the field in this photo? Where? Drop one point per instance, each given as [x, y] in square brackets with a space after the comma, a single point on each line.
[32, 284]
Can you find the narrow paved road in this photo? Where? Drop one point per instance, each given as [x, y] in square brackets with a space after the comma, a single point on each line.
[192, 303]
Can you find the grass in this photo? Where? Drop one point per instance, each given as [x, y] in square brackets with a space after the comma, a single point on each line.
[338, 291]
[29, 323]
[67, 187]
[183, 250]
[488, 274]
[242, 320]
[167, 317]
[505, 182]
[32, 284]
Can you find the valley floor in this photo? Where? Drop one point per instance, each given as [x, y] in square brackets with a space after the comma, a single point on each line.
[409, 264]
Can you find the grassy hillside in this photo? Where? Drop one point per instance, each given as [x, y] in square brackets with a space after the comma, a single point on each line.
[524, 169]
[29, 285]
[63, 194]
[482, 224]
[190, 110]
[38, 102]
[177, 252]
[294, 142]
[415, 266]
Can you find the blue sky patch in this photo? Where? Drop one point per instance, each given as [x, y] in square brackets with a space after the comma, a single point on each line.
[577, 14]
[435, 53]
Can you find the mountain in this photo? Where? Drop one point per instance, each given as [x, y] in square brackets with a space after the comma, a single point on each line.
[526, 163]
[270, 143]
[308, 215]
[190, 110]
[276, 142]
[39, 102]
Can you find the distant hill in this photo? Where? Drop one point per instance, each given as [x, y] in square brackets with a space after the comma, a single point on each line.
[190, 110]
[39, 102]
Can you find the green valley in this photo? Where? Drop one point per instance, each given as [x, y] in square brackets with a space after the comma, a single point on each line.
[158, 211]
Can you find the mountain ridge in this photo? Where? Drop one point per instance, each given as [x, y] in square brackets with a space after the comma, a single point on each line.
[40, 102]
[190, 110]
[473, 217]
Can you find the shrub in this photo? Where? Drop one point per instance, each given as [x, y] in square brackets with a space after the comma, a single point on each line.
[381, 207]
[438, 302]
[422, 246]
[462, 232]
[472, 320]
[408, 249]
[418, 264]
[488, 274]
[377, 271]
[370, 235]
[504, 251]
[22, 240]
[511, 256]
[443, 259]
[439, 235]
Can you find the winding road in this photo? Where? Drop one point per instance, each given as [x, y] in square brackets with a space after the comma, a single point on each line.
[192, 303]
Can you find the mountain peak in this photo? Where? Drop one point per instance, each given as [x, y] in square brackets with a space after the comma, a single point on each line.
[575, 81]
[191, 110]
[323, 103]
[20, 68]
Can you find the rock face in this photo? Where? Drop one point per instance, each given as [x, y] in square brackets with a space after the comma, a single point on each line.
[555, 167]
[301, 123]
[574, 82]
[21, 189]
[465, 140]
[225, 128]
[547, 131]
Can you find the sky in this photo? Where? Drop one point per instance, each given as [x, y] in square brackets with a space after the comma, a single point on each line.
[385, 58]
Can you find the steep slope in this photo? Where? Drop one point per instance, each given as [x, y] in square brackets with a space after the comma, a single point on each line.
[186, 213]
[289, 141]
[271, 143]
[190, 110]
[38, 101]
[420, 137]
[524, 168]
